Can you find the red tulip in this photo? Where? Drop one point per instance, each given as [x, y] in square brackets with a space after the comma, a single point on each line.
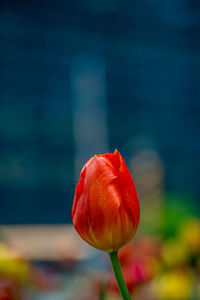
[106, 209]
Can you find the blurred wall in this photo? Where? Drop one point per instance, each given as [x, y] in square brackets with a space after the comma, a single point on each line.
[150, 51]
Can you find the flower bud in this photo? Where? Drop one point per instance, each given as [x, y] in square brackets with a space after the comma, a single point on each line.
[106, 209]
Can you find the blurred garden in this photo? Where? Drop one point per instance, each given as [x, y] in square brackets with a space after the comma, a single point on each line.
[163, 265]
[87, 77]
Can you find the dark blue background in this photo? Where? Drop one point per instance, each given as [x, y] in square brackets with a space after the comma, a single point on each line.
[152, 55]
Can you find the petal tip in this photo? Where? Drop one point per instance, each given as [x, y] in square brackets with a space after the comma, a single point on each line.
[116, 152]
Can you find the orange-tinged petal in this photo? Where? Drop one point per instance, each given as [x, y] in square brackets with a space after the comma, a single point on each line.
[106, 209]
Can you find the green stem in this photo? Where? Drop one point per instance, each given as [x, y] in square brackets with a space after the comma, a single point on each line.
[118, 275]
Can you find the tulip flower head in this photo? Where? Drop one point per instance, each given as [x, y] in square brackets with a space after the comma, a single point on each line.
[106, 209]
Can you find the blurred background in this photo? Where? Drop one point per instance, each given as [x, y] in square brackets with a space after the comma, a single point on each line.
[81, 78]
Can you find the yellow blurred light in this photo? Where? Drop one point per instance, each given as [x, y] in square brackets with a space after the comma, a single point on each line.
[175, 285]
[12, 266]
[190, 233]
[175, 252]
